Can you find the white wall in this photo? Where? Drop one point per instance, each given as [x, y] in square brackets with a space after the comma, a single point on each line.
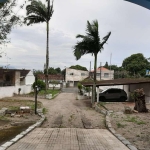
[29, 80]
[8, 91]
[107, 87]
[58, 86]
[75, 75]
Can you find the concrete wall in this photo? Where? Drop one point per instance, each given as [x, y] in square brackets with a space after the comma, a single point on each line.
[10, 90]
[145, 86]
[107, 87]
[103, 75]
[58, 86]
[75, 75]
[29, 80]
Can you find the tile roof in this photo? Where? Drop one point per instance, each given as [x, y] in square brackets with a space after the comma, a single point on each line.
[102, 69]
[51, 77]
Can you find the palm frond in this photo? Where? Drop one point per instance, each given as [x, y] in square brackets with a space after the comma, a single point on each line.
[105, 39]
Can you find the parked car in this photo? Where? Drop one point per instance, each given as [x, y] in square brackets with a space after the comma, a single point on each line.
[113, 94]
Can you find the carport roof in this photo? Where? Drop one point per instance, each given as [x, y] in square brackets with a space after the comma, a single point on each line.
[116, 82]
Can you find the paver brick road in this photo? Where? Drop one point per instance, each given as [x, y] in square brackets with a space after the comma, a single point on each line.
[69, 139]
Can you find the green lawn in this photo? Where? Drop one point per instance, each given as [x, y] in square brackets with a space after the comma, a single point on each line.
[49, 91]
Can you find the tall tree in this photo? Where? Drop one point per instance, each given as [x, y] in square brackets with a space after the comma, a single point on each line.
[8, 19]
[38, 12]
[106, 65]
[90, 44]
[136, 64]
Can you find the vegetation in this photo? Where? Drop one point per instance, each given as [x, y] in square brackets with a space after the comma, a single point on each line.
[90, 44]
[38, 12]
[136, 64]
[80, 88]
[49, 91]
[8, 19]
[78, 67]
[40, 85]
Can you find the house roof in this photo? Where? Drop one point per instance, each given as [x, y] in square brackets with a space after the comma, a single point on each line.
[23, 72]
[51, 77]
[101, 68]
[124, 81]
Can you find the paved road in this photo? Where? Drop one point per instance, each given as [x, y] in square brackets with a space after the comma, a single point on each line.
[71, 125]
[68, 139]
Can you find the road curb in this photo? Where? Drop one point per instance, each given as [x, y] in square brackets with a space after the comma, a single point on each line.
[23, 133]
[112, 130]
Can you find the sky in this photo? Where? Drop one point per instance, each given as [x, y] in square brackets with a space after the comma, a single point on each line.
[128, 23]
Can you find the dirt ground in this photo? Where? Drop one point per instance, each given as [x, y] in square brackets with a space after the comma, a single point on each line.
[19, 118]
[66, 112]
[134, 127]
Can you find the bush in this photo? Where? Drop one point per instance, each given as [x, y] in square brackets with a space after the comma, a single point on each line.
[80, 88]
[40, 84]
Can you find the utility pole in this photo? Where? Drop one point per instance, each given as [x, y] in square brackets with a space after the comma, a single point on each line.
[36, 94]
[110, 64]
[90, 70]
[100, 70]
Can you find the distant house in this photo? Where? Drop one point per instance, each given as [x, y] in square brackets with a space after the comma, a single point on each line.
[16, 77]
[103, 74]
[58, 78]
[15, 81]
[73, 76]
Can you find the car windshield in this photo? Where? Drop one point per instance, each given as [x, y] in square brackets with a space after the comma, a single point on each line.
[104, 91]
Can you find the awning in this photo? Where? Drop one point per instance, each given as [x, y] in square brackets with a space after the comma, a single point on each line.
[116, 82]
[143, 3]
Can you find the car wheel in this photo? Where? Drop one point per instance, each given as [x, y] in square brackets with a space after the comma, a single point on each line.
[102, 98]
[122, 99]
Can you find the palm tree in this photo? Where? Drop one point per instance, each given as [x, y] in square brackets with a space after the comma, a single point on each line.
[90, 43]
[38, 12]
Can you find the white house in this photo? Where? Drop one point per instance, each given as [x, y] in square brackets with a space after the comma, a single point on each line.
[73, 76]
[103, 74]
[11, 80]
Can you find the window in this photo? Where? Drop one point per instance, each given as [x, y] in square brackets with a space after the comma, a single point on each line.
[106, 75]
[97, 74]
[71, 74]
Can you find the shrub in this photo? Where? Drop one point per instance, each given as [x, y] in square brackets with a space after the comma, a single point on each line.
[40, 84]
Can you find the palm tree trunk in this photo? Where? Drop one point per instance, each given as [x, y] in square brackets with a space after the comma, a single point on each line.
[47, 56]
[94, 84]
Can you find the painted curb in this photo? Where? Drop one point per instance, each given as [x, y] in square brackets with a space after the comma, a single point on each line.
[112, 130]
[23, 133]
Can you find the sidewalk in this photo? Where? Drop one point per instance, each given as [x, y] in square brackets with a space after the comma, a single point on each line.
[69, 139]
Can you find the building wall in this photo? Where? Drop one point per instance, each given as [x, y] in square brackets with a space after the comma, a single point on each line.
[105, 75]
[17, 78]
[10, 90]
[73, 75]
[29, 80]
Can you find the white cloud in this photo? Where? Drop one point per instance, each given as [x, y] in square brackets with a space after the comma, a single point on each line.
[129, 24]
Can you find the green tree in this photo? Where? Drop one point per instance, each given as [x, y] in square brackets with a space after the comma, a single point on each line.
[58, 70]
[8, 19]
[136, 64]
[90, 44]
[38, 12]
[78, 67]
[106, 65]
[40, 84]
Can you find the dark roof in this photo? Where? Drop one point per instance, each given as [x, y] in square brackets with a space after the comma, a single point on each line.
[124, 81]
[51, 77]
[23, 72]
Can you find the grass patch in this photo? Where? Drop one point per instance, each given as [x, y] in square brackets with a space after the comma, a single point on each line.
[49, 91]
[134, 120]
[45, 110]
[119, 125]
[3, 118]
